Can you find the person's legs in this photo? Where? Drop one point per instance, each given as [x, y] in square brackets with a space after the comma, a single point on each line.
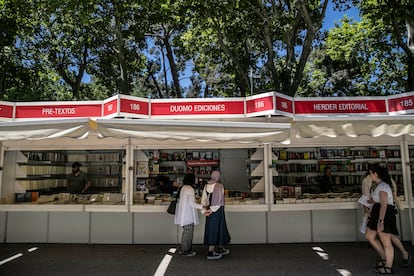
[397, 242]
[388, 248]
[406, 258]
[371, 236]
[187, 238]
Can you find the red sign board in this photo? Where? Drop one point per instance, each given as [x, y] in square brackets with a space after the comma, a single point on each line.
[180, 108]
[6, 111]
[196, 163]
[401, 104]
[351, 106]
[43, 110]
[110, 107]
[262, 104]
[259, 104]
[284, 104]
[132, 106]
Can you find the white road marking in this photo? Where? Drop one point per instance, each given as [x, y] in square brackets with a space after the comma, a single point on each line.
[32, 249]
[11, 258]
[321, 252]
[344, 272]
[163, 265]
[324, 256]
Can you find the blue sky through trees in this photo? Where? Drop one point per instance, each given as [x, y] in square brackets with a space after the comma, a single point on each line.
[331, 18]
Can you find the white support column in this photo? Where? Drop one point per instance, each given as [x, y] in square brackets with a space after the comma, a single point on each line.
[129, 177]
[268, 175]
[408, 191]
[1, 167]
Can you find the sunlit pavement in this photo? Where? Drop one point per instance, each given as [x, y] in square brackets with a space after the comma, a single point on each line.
[257, 259]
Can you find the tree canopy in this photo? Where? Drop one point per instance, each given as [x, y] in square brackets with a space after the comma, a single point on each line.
[90, 49]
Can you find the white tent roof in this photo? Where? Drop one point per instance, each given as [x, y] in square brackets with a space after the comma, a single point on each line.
[203, 131]
[355, 126]
[44, 129]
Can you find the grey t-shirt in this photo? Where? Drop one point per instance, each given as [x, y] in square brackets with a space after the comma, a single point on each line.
[77, 183]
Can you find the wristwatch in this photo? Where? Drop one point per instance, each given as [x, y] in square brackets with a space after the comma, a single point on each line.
[380, 221]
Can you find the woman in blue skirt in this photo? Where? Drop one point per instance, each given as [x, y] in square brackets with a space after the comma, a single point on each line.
[216, 234]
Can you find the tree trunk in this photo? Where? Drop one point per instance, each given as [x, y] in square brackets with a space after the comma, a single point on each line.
[124, 82]
[410, 59]
[173, 67]
[410, 74]
[164, 69]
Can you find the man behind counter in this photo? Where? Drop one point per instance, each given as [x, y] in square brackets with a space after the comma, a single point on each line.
[326, 181]
[78, 181]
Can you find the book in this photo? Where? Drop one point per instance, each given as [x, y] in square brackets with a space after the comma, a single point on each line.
[142, 169]
[196, 155]
[282, 155]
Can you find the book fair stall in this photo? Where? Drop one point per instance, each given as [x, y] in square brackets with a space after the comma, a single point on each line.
[271, 150]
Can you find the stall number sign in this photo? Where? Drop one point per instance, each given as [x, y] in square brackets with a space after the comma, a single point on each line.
[284, 105]
[260, 104]
[134, 107]
[401, 104]
[111, 107]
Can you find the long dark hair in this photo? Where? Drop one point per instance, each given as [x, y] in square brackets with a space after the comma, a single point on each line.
[189, 179]
[382, 172]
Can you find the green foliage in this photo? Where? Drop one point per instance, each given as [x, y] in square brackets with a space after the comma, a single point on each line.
[161, 49]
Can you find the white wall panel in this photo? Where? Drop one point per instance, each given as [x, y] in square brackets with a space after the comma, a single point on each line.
[27, 227]
[68, 227]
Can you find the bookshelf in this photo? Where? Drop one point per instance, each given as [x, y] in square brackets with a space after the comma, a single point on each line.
[302, 167]
[46, 171]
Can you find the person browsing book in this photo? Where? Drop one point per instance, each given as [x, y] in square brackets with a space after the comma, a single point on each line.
[186, 215]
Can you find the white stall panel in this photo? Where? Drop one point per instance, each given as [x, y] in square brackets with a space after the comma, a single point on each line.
[334, 225]
[111, 228]
[155, 228]
[2, 226]
[289, 226]
[27, 227]
[403, 223]
[247, 228]
[68, 227]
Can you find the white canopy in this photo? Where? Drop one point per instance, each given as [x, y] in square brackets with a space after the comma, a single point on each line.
[355, 127]
[203, 131]
[44, 129]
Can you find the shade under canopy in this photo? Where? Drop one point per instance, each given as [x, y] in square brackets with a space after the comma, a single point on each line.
[355, 127]
[44, 129]
[203, 131]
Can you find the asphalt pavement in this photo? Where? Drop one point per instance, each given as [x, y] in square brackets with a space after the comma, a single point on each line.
[250, 259]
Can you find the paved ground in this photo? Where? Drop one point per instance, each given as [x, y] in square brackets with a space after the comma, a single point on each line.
[257, 259]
